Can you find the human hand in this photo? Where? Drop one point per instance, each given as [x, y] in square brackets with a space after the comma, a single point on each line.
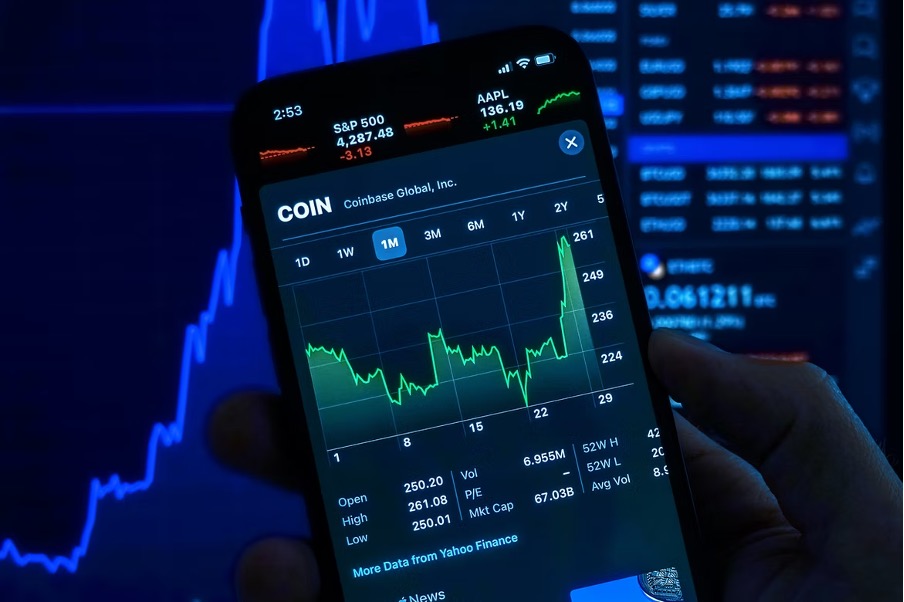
[809, 508]
[246, 432]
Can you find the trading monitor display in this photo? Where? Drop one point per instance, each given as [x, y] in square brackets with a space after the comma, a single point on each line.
[750, 139]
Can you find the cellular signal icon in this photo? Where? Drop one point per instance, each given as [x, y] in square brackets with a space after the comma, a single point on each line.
[506, 68]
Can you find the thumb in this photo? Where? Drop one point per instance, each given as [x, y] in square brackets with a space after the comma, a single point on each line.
[791, 422]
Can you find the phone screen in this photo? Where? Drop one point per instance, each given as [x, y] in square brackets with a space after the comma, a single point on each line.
[442, 251]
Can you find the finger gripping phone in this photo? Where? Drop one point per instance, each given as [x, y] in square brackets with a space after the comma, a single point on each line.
[457, 318]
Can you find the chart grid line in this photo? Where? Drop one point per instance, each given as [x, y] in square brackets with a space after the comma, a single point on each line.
[481, 417]
[460, 378]
[439, 317]
[373, 327]
[468, 333]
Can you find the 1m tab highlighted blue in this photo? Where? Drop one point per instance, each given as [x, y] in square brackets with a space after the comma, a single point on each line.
[389, 243]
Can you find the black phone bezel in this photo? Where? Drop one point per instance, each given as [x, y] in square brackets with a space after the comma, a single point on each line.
[343, 80]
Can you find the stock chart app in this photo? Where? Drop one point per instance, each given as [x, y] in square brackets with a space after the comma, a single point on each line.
[470, 376]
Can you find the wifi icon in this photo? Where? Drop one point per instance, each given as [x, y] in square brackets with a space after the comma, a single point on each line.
[523, 62]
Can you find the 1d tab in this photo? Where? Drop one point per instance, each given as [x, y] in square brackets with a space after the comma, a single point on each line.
[389, 243]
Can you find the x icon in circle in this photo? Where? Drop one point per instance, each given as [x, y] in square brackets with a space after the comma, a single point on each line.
[571, 142]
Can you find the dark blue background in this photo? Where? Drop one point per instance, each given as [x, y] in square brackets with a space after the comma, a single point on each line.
[117, 195]
[117, 185]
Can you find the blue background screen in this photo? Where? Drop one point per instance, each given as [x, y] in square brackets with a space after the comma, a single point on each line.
[749, 142]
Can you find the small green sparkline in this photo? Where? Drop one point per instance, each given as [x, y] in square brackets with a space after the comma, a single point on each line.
[557, 98]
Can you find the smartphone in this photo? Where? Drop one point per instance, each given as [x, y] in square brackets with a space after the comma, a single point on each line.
[458, 323]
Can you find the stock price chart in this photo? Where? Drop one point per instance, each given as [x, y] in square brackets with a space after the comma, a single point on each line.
[485, 354]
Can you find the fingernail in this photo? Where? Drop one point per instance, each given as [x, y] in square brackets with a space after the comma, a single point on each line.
[684, 338]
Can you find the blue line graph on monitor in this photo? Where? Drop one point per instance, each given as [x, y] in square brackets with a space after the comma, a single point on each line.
[279, 50]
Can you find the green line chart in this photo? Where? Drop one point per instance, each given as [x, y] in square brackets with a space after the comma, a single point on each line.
[559, 98]
[464, 381]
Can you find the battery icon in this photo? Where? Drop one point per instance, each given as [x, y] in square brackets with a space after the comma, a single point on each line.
[544, 59]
